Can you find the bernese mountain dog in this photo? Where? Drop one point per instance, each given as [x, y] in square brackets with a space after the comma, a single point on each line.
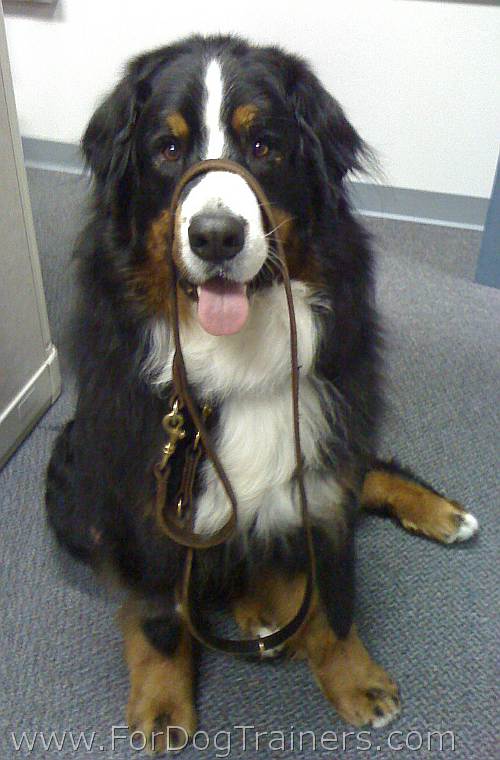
[205, 98]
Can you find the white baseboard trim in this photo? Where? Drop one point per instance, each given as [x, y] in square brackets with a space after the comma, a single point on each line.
[26, 408]
[443, 209]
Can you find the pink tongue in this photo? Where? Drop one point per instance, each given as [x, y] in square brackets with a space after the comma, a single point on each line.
[222, 306]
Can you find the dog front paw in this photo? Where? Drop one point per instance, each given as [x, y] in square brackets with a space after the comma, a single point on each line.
[374, 703]
[160, 724]
[360, 690]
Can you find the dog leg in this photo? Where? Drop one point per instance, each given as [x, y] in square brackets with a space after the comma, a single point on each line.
[255, 616]
[360, 690]
[390, 489]
[161, 705]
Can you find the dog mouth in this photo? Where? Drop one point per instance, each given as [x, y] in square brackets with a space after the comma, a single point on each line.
[222, 304]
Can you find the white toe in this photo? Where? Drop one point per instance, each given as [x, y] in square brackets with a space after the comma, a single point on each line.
[466, 529]
[379, 722]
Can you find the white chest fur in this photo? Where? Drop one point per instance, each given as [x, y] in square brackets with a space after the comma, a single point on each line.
[248, 375]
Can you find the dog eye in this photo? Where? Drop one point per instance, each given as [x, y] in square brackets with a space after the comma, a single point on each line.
[172, 150]
[260, 149]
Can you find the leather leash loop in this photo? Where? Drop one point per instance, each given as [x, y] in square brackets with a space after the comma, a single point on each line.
[182, 532]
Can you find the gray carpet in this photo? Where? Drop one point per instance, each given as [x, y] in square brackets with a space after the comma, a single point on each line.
[427, 612]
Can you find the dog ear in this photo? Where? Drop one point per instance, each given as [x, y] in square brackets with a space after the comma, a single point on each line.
[327, 136]
[107, 141]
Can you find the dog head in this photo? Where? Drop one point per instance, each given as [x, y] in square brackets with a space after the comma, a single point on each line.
[219, 98]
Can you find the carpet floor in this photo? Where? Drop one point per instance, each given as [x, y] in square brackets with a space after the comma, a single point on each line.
[428, 613]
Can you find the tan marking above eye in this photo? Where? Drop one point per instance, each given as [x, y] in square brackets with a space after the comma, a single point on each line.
[178, 126]
[243, 117]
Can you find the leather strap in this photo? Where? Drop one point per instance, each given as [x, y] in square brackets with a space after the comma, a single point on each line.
[182, 532]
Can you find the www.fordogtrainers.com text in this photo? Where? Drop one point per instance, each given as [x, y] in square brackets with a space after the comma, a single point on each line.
[221, 744]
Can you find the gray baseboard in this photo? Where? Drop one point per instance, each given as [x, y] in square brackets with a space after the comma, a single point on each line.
[370, 199]
[420, 206]
[52, 156]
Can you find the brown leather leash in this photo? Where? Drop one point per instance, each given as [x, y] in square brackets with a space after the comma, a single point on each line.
[177, 519]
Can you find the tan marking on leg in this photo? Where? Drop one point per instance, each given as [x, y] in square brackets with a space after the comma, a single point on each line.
[360, 690]
[265, 610]
[417, 508]
[161, 687]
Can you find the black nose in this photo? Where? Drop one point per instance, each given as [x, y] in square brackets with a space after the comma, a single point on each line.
[215, 237]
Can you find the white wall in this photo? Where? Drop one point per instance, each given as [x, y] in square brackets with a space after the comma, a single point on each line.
[418, 79]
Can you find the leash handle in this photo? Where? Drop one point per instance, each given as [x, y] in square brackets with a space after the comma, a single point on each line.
[184, 535]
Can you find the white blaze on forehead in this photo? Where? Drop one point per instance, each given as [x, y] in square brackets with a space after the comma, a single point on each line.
[214, 85]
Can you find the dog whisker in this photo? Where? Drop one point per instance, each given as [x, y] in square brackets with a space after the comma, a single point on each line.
[285, 221]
